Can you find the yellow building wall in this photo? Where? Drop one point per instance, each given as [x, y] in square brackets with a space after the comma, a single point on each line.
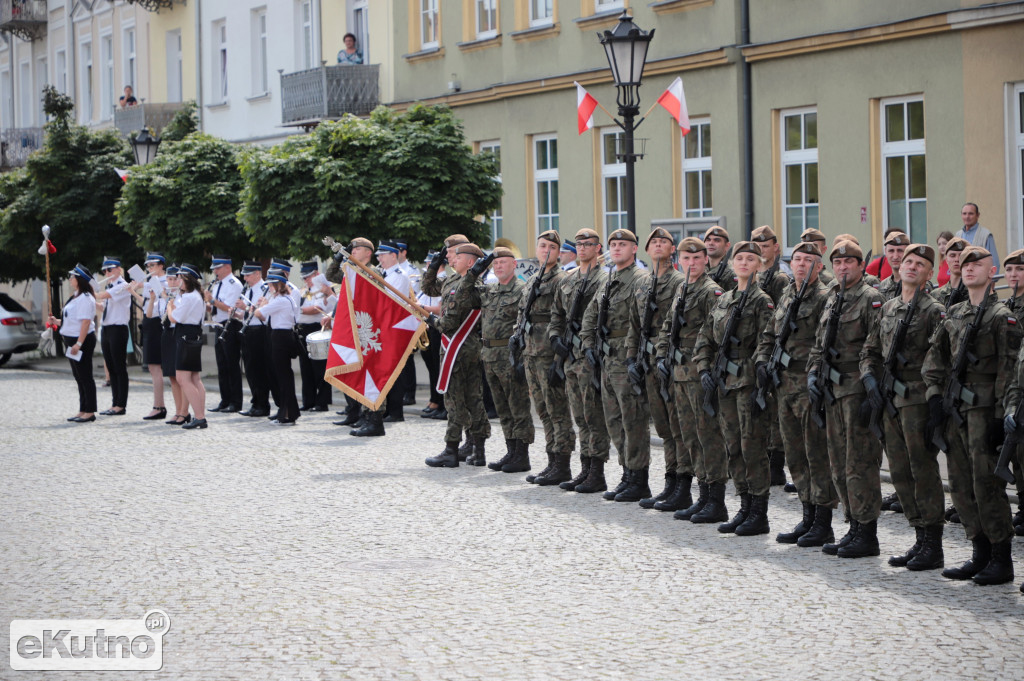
[181, 17]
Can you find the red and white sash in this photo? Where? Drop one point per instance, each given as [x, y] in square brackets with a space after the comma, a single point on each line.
[451, 347]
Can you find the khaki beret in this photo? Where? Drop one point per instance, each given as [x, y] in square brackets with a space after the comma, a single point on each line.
[763, 233]
[845, 237]
[360, 241]
[587, 233]
[471, 249]
[746, 247]
[659, 233]
[1015, 258]
[502, 252]
[846, 249]
[455, 240]
[812, 234]
[807, 247]
[956, 244]
[692, 244]
[923, 251]
[552, 236]
[897, 239]
[717, 230]
[972, 253]
[622, 235]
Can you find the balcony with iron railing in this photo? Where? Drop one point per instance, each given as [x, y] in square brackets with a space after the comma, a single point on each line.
[16, 144]
[328, 93]
[23, 18]
[150, 115]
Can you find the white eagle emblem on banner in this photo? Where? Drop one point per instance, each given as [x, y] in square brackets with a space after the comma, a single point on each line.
[368, 338]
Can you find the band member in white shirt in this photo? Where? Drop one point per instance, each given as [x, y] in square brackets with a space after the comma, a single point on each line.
[188, 312]
[279, 312]
[154, 302]
[318, 299]
[228, 348]
[169, 351]
[78, 329]
[255, 340]
[391, 270]
[114, 337]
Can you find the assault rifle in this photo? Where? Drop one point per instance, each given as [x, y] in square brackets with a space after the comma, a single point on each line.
[779, 355]
[1010, 446]
[600, 335]
[650, 307]
[675, 355]
[828, 373]
[517, 342]
[722, 362]
[570, 335]
[769, 276]
[720, 270]
[894, 360]
[956, 295]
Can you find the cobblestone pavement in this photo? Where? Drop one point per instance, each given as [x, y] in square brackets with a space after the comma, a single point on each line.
[303, 553]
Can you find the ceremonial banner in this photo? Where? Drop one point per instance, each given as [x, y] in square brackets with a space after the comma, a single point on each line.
[373, 336]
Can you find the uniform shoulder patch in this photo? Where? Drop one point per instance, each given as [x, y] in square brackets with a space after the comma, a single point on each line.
[771, 306]
[876, 304]
[1012, 321]
[718, 291]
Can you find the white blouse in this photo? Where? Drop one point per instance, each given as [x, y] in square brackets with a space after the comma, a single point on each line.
[78, 309]
[119, 305]
[190, 308]
[280, 310]
[158, 285]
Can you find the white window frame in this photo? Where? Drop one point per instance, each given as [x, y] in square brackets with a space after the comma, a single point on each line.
[106, 76]
[607, 5]
[697, 164]
[86, 80]
[6, 98]
[304, 35]
[129, 49]
[797, 157]
[544, 179]
[905, 148]
[428, 24]
[489, 7]
[359, 26]
[615, 171]
[60, 76]
[260, 57]
[542, 12]
[1016, 174]
[175, 83]
[25, 98]
[218, 34]
[495, 219]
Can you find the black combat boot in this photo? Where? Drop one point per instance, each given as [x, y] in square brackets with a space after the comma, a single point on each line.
[373, 427]
[532, 479]
[670, 486]
[570, 485]
[930, 557]
[449, 458]
[902, 560]
[741, 515]
[833, 549]
[952, 516]
[802, 528]
[623, 484]
[466, 449]
[887, 501]
[777, 467]
[757, 519]
[560, 472]
[351, 418]
[680, 497]
[637, 488]
[789, 488]
[821, 529]
[1018, 520]
[1000, 567]
[595, 478]
[980, 556]
[510, 451]
[360, 422]
[863, 544]
[715, 510]
[520, 461]
[477, 458]
[695, 507]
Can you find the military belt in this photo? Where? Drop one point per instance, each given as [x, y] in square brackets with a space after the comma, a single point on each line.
[539, 317]
[496, 342]
[617, 333]
[979, 377]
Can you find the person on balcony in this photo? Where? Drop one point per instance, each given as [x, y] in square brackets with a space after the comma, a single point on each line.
[128, 98]
[351, 54]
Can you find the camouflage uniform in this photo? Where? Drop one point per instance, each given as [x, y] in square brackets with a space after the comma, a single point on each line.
[722, 275]
[943, 293]
[827, 278]
[774, 283]
[1016, 306]
[890, 288]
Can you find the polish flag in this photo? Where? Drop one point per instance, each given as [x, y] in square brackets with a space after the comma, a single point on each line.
[674, 101]
[122, 173]
[585, 105]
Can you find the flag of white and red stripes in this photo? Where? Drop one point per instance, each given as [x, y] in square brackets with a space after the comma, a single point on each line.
[674, 101]
[585, 105]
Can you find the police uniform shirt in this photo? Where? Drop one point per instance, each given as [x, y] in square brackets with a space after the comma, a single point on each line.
[414, 275]
[190, 308]
[396, 277]
[317, 298]
[77, 310]
[295, 293]
[569, 266]
[157, 285]
[118, 307]
[252, 295]
[227, 290]
[280, 312]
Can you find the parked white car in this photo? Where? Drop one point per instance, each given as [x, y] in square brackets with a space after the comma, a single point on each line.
[18, 331]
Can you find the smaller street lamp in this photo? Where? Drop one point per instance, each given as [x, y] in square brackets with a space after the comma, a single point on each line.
[144, 146]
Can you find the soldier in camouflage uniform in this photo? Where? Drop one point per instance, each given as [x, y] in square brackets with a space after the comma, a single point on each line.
[626, 414]
[548, 397]
[1013, 267]
[913, 460]
[971, 452]
[584, 397]
[895, 244]
[660, 246]
[817, 237]
[869, 279]
[744, 426]
[855, 454]
[702, 437]
[717, 241]
[806, 446]
[953, 291]
[499, 305]
[465, 395]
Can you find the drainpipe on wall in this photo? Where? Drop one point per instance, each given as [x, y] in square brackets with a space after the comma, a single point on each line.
[199, 63]
[747, 121]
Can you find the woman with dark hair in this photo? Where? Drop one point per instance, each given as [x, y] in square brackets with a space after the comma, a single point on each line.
[169, 351]
[154, 301]
[78, 327]
[187, 313]
[279, 313]
[941, 240]
[351, 54]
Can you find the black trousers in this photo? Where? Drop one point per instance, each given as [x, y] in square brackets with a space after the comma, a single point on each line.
[82, 371]
[114, 344]
[256, 356]
[393, 404]
[228, 351]
[316, 392]
[409, 377]
[432, 358]
[281, 341]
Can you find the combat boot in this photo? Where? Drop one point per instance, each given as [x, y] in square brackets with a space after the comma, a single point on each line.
[776, 466]
[449, 458]
[980, 555]
[510, 450]
[715, 510]
[757, 519]
[351, 418]
[637, 488]
[1000, 567]
[670, 486]
[520, 461]
[623, 484]
[559, 473]
[802, 528]
[741, 515]
[930, 556]
[477, 458]
[680, 497]
[373, 427]
[833, 549]
[360, 422]
[595, 478]
[887, 501]
[570, 485]
[821, 529]
[1018, 522]
[863, 544]
[952, 516]
[903, 560]
[695, 507]
[466, 449]
[532, 479]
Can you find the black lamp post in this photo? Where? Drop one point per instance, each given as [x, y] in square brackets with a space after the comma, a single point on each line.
[144, 146]
[626, 50]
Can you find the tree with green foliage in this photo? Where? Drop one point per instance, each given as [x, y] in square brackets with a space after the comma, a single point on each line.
[184, 123]
[407, 175]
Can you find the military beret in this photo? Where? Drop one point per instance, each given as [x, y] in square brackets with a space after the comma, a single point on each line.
[622, 235]
[812, 234]
[897, 239]
[692, 244]
[807, 247]
[1015, 258]
[360, 242]
[956, 244]
[659, 233]
[587, 233]
[471, 249]
[552, 236]
[972, 253]
[503, 252]
[746, 247]
[846, 249]
[845, 237]
[763, 233]
[717, 230]
[455, 240]
[922, 251]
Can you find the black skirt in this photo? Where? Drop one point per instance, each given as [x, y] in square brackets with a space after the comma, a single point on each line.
[152, 348]
[187, 358]
[168, 349]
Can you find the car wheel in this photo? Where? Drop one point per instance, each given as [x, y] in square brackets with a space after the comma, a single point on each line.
[4, 357]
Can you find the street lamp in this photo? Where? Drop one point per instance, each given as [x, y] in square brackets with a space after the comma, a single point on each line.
[144, 146]
[626, 50]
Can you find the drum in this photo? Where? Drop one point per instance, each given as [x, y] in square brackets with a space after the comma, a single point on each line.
[318, 343]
